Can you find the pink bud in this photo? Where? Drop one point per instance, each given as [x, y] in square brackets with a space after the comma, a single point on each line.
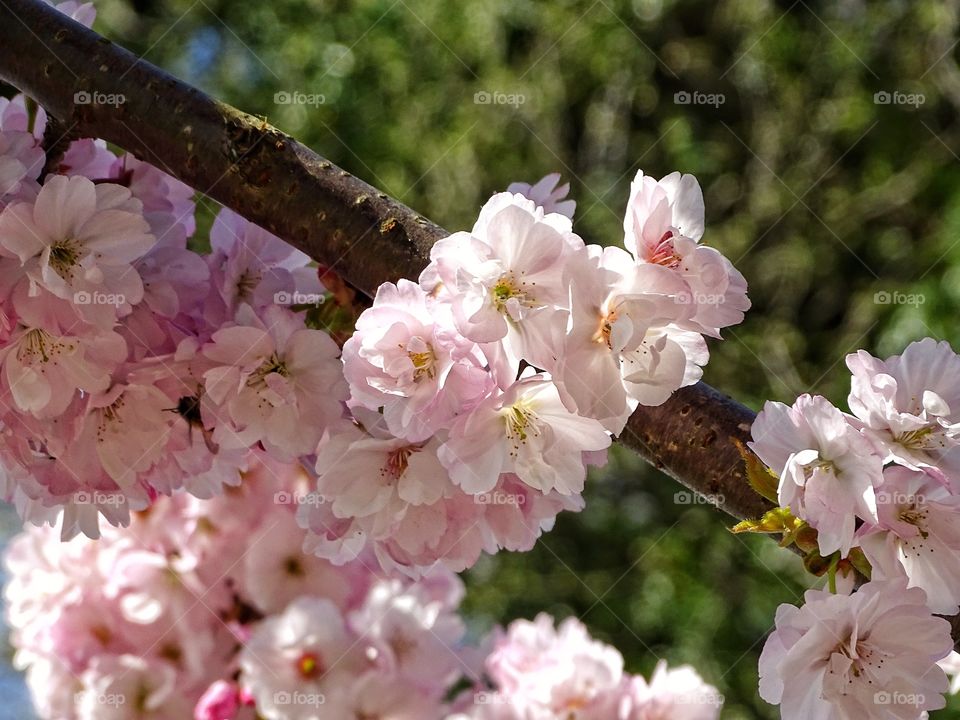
[219, 702]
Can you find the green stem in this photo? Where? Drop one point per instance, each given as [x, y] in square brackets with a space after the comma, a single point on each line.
[832, 572]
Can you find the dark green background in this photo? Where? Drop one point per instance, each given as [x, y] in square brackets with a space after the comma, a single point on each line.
[819, 195]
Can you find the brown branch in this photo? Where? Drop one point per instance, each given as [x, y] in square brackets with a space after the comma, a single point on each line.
[337, 219]
[56, 141]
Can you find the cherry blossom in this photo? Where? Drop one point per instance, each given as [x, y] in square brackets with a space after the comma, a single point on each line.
[828, 471]
[548, 671]
[663, 226]
[42, 370]
[622, 346]
[504, 279]
[918, 536]
[526, 431]
[77, 241]
[407, 358]
[910, 405]
[671, 694]
[277, 382]
[548, 194]
[21, 160]
[870, 654]
[295, 661]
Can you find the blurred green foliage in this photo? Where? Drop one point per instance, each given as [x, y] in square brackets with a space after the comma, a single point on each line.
[822, 197]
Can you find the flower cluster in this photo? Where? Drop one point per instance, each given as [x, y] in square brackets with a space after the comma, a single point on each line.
[130, 365]
[542, 672]
[482, 392]
[460, 419]
[211, 604]
[208, 609]
[881, 487]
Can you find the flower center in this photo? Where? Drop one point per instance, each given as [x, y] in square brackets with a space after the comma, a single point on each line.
[916, 516]
[37, 345]
[665, 253]
[309, 666]
[398, 461]
[272, 364]
[247, 283]
[865, 661]
[605, 329]
[826, 466]
[108, 415]
[424, 363]
[921, 439]
[293, 567]
[507, 288]
[521, 422]
[401, 644]
[64, 256]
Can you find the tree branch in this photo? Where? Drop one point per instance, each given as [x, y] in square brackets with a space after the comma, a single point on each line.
[336, 218]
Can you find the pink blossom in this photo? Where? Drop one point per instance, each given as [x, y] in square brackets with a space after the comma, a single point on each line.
[305, 653]
[167, 202]
[910, 405]
[917, 537]
[504, 279]
[277, 382]
[276, 571]
[548, 194]
[416, 636]
[622, 346]
[132, 422]
[546, 672]
[113, 681]
[671, 694]
[828, 471]
[78, 241]
[21, 160]
[384, 697]
[220, 702]
[361, 475]
[870, 654]
[663, 226]
[526, 431]
[407, 357]
[42, 371]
